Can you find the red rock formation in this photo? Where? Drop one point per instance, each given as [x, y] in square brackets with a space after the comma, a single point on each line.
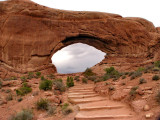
[30, 34]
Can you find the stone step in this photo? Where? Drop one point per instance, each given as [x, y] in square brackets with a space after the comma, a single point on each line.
[99, 107]
[121, 113]
[82, 96]
[86, 100]
[81, 93]
[81, 88]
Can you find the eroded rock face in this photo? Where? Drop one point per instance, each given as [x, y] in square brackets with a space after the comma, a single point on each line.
[30, 34]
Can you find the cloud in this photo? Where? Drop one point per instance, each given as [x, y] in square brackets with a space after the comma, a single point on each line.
[76, 58]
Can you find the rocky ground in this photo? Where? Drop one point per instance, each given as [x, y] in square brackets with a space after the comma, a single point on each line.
[130, 96]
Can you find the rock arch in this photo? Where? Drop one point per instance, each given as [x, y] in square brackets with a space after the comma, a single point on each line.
[30, 34]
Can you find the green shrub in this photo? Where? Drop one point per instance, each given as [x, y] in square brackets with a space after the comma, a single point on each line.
[136, 74]
[22, 115]
[43, 78]
[131, 73]
[133, 91]
[46, 85]
[155, 77]
[19, 99]
[92, 78]
[38, 74]
[51, 76]
[30, 75]
[9, 97]
[70, 82]
[42, 104]
[105, 77]
[23, 78]
[157, 64]
[158, 97]
[25, 89]
[84, 80]
[123, 77]
[1, 84]
[88, 72]
[13, 78]
[59, 85]
[65, 109]
[51, 110]
[142, 80]
[112, 73]
[76, 78]
[140, 69]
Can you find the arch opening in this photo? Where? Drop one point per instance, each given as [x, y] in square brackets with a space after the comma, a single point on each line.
[76, 57]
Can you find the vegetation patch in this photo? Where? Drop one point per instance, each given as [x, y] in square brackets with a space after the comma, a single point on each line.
[66, 109]
[88, 72]
[142, 80]
[45, 85]
[25, 89]
[23, 79]
[112, 73]
[70, 82]
[52, 110]
[59, 85]
[133, 91]
[136, 74]
[30, 75]
[38, 74]
[42, 104]
[157, 64]
[51, 76]
[155, 77]
[76, 78]
[84, 80]
[25, 114]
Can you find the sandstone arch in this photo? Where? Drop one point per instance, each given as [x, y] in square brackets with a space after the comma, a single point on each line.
[30, 34]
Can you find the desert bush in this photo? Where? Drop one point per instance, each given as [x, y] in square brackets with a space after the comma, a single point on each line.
[59, 85]
[9, 97]
[136, 74]
[51, 76]
[142, 80]
[19, 99]
[38, 74]
[42, 104]
[66, 109]
[130, 73]
[157, 64]
[25, 114]
[133, 91]
[1, 84]
[51, 110]
[30, 75]
[84, 80]
[112, 73]
[43, 78]
[13, 78]
[140, 69]
[123, 77]
[92, 78]
[76, 78]
[25, 89]
[155, 77]
[126, 73]
[105, 77]
[70, 82]
[88, 72]
[158, 97]
[23, 79]
[45, 85]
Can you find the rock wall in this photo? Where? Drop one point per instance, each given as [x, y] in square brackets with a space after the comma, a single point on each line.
[30, 34]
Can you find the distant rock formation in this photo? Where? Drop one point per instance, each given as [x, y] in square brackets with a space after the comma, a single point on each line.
[30, 34]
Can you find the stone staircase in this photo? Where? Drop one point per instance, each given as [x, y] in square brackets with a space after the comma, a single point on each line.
[95, 107]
